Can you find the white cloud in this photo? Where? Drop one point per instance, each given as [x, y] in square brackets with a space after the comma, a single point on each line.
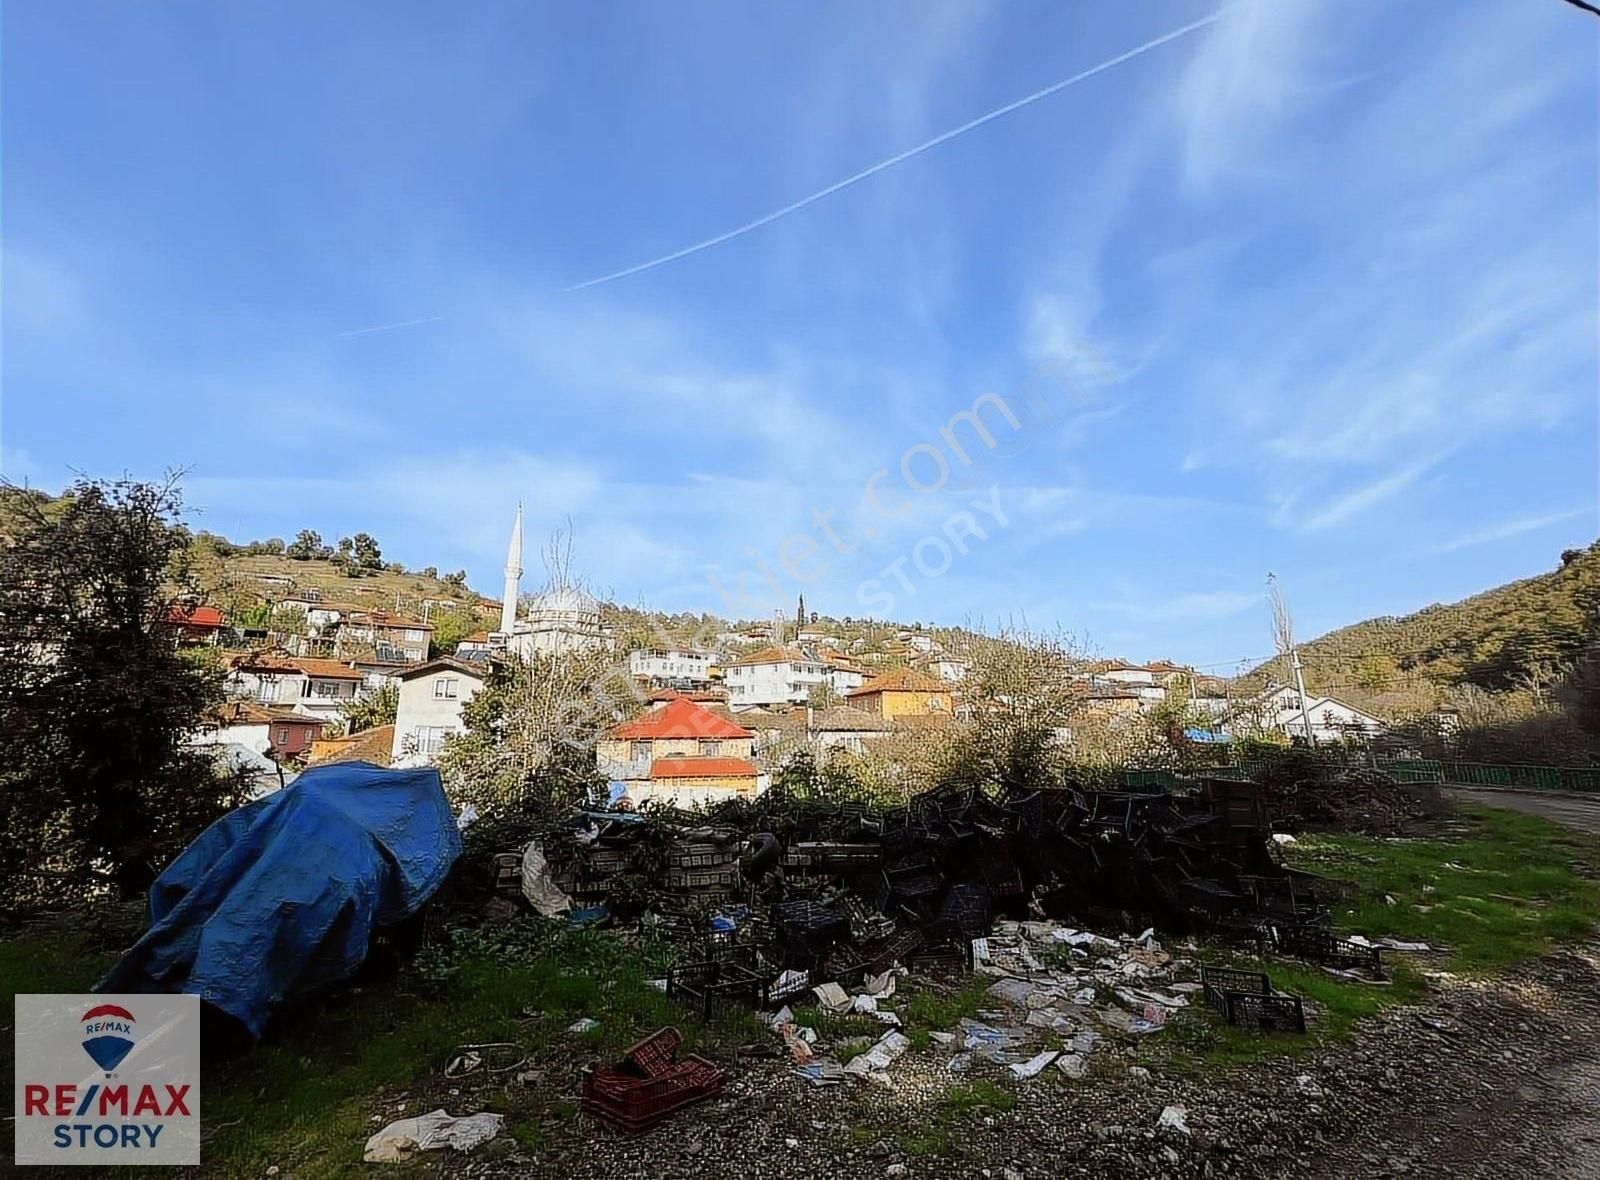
[1250, 74]
[1506, 529]
[1340, 507]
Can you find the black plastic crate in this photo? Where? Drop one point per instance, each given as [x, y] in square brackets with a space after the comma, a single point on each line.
[1319, 946]
[1273, 1013]
[804, 929]
[966, 910]
[701, 856]
[712, 987]
[717, 878]
[1232, 980]
[941, 960]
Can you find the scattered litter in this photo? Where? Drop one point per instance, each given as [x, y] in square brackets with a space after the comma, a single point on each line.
[583, 1024]
[942, 1038]
[960, 1063]
[833, 997]
[659, 984]
[880, 986]
[1032, 1066]
[1284, 840]
[1308, 1086]
[1073, 1065]
[1174, 1118]
[890, 1047]
[824, 1071]
[464, 1064]
[799, 1048]
[429, 1132]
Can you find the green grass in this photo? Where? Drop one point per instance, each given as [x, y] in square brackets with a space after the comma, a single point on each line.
[302, 1098]
[1516, 892]
[927, 1008]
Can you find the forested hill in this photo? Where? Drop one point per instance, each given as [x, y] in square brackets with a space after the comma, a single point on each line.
[1491, 639]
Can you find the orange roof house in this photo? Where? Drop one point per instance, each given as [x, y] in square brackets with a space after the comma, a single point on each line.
[903, 692]
[679, 719]
[682, 753]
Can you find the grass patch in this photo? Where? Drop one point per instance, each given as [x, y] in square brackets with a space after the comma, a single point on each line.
[302, 1098]
[1506, 891]
[928, 1009]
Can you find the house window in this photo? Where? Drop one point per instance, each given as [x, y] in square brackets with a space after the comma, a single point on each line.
[710, 749]
[444, 689]
[429, 739]
[639, 751]
[267, 689]
[283, 735]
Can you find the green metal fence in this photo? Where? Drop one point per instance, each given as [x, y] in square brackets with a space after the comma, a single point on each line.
[1405, 770]
[1522, 777]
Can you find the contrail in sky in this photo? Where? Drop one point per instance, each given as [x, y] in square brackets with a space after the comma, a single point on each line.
[433, 319]
[882, 165]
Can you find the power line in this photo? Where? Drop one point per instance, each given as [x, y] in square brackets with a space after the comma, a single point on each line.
[1587, 7]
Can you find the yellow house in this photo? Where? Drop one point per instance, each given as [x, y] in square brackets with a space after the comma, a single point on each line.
[904, 692]
[682, 754]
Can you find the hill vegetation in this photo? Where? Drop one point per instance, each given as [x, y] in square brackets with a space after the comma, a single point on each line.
[1501, 639]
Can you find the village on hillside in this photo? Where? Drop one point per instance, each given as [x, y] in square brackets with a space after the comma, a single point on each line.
[712, 719]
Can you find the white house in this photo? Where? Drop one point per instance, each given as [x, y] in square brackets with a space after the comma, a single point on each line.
[310, 687]
[788, 675]
[431, 699]
[952, 669]
[675, 665]
[1332, 720]
[919, 641]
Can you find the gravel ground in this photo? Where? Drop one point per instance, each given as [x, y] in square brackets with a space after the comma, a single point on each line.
[1487, 1080]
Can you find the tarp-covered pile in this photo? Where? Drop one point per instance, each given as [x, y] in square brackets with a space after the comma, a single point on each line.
[283, 896]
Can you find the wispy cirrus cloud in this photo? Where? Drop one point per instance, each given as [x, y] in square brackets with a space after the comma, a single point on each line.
[1516, 527]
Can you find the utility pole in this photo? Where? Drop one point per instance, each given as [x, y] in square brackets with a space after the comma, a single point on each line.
[1283, 637]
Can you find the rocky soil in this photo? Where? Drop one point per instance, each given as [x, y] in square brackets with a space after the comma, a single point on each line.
[1486, 1080]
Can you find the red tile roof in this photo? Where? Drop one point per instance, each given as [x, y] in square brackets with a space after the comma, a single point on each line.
[900, 680]
[702, 768]
[681, 718]
[194, 616]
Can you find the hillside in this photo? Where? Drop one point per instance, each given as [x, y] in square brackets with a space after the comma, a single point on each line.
[1492, 640]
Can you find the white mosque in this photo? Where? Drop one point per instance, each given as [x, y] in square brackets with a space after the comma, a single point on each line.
[562, 619]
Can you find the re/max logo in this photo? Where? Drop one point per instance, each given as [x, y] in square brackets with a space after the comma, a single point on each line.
[39, 1100]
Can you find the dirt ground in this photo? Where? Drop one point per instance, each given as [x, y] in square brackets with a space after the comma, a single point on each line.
[1573, 811]
[1485, 1081]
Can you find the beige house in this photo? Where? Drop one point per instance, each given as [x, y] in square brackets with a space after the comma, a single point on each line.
[431, 699]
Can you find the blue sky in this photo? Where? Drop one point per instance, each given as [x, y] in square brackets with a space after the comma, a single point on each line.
[1309, 289]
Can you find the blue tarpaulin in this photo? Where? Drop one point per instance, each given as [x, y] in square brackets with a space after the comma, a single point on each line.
[282, 896]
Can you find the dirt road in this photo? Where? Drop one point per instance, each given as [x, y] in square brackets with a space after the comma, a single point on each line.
[1574, 812]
